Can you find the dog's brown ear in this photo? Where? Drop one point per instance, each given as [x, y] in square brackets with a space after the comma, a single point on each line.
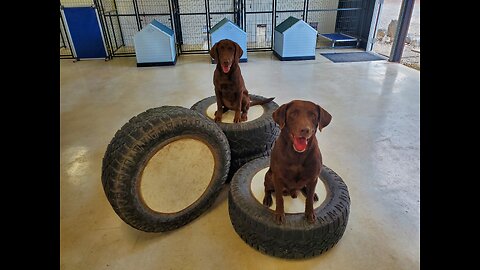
[213, 51]
[324, 118]
[280, 115]
[238, 51]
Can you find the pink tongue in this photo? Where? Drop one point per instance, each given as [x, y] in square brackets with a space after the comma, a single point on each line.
[300, 143]
[225, 69]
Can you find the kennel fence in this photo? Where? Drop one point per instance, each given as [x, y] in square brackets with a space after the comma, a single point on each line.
[192, 20]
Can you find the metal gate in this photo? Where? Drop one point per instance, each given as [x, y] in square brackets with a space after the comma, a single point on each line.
[191, 24]
[259, 19]
[192, 20]
[65, 45]
[349, 16]
[285, 9]
[124, 18]
[219, 9]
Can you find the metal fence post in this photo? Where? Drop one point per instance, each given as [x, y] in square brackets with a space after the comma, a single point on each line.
[402, 30]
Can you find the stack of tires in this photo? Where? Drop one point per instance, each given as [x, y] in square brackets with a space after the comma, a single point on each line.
[248, 140]
[167, 165]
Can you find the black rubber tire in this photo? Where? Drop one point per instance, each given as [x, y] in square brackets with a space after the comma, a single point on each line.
[136, 142]
[248, 138]
[237, 163]
[295, 238]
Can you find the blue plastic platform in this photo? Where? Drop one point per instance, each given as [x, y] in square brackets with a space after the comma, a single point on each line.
[339, 37]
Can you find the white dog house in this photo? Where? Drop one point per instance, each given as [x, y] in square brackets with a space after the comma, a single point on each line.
[226, 29]
[155, 45]
[294, 40]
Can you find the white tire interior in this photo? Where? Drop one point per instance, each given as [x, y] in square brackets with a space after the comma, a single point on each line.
[292, 206]
[253, 113]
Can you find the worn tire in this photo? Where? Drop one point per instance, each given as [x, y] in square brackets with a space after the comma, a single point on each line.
[295, 238]
[247, 138]
[237, 163]
[130, 151]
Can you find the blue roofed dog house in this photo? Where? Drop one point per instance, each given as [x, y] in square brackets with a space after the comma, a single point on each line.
[155, 45]
[226, 29]
[294, 40]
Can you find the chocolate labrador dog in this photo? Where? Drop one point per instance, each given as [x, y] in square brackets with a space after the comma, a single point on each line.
[296, 161]
[230, 88]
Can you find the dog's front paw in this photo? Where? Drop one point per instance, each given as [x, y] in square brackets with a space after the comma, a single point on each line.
[279, 218]
[236, 120]
[218, 116]
[310, 217]
[267, 200]
[244, 117]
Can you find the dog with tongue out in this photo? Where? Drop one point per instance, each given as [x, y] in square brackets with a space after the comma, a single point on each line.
[296, 161]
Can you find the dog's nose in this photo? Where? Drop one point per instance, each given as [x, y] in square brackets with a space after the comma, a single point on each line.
[305, 131]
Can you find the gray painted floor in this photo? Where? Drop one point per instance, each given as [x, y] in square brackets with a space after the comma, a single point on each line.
[372, 143]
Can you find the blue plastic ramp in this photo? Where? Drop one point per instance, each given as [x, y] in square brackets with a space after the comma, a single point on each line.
[84, 29]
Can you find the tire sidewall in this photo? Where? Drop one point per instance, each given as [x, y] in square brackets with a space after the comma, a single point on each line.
[268, 109]
[295, 235]
[241, 183]
[246, 138]
[126, 158]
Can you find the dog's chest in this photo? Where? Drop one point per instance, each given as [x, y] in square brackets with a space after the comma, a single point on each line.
[230, 92]
[227, 87]
[229, 95]
[296, 172]
[225, 82]
[298, 175]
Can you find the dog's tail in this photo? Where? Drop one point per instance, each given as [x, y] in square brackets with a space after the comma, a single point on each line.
[261, 102]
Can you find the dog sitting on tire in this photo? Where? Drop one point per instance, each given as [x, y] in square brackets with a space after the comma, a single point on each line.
[230, 90]
[296, 160]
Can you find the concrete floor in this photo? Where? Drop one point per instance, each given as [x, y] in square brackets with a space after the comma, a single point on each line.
[372, 143]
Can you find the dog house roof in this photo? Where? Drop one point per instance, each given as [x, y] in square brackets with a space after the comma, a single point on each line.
[289, 22]
[162, 27]
[222, 23]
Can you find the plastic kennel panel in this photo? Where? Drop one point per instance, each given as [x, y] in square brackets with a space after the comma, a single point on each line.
[85, 31]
